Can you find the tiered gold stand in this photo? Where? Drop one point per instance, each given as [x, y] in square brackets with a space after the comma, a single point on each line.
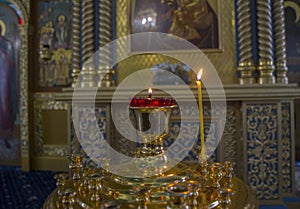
[184, 186]
[202, 185]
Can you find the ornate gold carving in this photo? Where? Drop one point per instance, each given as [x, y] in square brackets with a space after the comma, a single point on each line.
[93, 133]
[229, 138]
[262, 149]
[75, 41]
[88, 71]
[279, 39]
[23, 8]
[265, 43]
[45, 102]
[286, 165]
[246, 66]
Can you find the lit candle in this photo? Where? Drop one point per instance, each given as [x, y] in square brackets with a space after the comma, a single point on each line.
[198, 81]
[149, 93]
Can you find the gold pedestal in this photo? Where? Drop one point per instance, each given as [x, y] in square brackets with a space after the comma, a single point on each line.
[181, 186]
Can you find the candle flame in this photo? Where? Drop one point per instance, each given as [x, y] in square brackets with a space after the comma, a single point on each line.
[199, 75]
[150, 91]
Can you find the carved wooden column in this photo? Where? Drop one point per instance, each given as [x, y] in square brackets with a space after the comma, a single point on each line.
[105, 72]
[246, 66]
[265, 42]
[88, 72]
[280, 43]
[75, 41]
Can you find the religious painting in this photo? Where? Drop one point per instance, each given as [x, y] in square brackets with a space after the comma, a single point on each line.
[292, 22]
[54, 43]
[192, 20]
[9, 84]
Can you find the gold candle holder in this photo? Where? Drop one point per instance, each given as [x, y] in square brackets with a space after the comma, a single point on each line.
[179, 195]
[216, 173]
[203, 171]
[142, 196]
[68, 198]
[110, 205]
[225, 196]
[228, 175]
[94, 187]
[61, 181]
[76, 167]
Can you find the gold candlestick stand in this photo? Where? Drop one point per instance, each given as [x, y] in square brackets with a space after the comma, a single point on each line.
[204, 185]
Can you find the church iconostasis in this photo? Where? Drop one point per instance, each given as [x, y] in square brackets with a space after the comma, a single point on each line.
[54, 44]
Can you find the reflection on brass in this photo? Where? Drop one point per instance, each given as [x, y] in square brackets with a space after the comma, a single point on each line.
[225, 196]
[265, 42]
[246, 70]
[75, 41]
[179, 194]
[99, 189]
[75, 167]
[68, 198]
[246, 66]
[216, 173]
[266, 70]
[280, 44]
[203, 170]
[228, 175]
[109, 205]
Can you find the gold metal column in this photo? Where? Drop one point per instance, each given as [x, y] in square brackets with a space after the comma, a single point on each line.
[265, 44]
[24, 9]
[75, 41]
[246, 66]
[88, 72]
[105, 72]
[280, 43]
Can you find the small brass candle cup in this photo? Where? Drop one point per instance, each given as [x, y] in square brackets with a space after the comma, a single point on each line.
[225, 195]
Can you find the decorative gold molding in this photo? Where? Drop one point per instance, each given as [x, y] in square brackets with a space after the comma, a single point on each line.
[23, 8]
[262, 149]
[42, 103]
